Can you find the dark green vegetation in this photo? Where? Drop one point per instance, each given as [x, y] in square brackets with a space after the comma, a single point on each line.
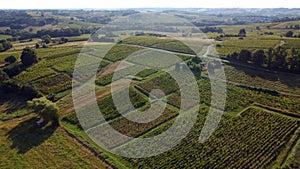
[259, 129]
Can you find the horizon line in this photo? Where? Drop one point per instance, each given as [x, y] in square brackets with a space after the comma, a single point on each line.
[124, 8]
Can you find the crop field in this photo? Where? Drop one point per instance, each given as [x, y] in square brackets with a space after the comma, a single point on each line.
[108, 109]
[121, 51]
[33, 73]
[163, 82]
[54, 84]
[160, 43]
[107, 79]
[292, 43]
[83, 37]
[237, 98]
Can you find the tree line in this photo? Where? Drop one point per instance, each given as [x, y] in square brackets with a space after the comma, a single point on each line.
[22, 34]
[278, 58]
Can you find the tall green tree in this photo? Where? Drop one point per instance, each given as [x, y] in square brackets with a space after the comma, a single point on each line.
[244, 56]
[294, 60]
[258, 57]
[28, 56]
[269, 57]
[279, 58]
[242, 33]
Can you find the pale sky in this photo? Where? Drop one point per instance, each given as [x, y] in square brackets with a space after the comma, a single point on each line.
[111, 4]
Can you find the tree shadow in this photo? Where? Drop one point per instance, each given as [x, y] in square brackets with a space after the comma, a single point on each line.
[9, 103]
[27, 135]
[289, 79]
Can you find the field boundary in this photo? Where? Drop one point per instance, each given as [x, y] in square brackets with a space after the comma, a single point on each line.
[284, 112]
[90, 149]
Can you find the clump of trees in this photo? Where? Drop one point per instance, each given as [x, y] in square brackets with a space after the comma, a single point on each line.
[10, 59]
[290, 34]
[279, 58]
[293, 27]
[46, 39]
[12, 86]
[212, 29]
[46, 109]
[28, 58]
[5, 45]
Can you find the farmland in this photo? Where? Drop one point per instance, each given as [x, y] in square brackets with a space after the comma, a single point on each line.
[260, 126]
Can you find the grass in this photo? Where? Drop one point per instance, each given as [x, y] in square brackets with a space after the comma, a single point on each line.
[5, 54]
[83, 37]
[292, 43]
[5, 36]
[24, 145]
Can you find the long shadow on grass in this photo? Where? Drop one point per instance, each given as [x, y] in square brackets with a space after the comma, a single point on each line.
[289, 79]
[9, 103]
[27, 135]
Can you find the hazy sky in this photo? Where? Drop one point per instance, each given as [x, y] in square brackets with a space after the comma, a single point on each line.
[63, 4]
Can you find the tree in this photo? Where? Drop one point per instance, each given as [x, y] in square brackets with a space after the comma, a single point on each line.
[196, 60]
[244, 56]
[233, 56]
[269, 56]
[11, 59]
[37, 45]
[3, 77]
[28, 56]
[13, 69]
[46, 39]
[279, 58]
[46, 109]
[258, 57]
[289, 34]
[294, 60]
[242, 33]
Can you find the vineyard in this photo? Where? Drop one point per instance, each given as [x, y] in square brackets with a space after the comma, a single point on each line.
[230, 46]
[278, 81]
[160, 43]
[251, 140]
